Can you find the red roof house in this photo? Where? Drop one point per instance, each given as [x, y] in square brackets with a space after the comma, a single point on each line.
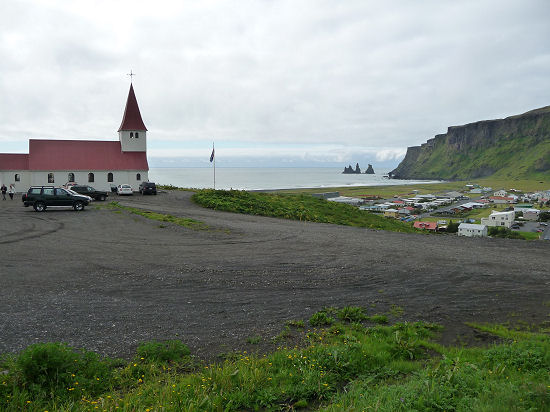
[425, 225]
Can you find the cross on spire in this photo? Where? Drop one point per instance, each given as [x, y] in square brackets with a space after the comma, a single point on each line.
[131, 75]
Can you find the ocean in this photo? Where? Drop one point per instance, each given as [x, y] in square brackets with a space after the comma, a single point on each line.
[252, 178]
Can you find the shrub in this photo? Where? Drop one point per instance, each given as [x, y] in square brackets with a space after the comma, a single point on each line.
[321, 319]
[352, 314]
[55, 370]
[296, 323]
[503, 232]
[452, 227]
[167, 351]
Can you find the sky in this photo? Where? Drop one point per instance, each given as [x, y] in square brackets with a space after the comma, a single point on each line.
[296, 83]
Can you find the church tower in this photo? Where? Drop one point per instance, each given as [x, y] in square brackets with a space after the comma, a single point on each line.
[132, 131]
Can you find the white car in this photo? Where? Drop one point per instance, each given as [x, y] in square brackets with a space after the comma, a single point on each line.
[124, 190]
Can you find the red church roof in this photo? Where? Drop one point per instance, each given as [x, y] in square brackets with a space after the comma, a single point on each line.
[82, 155]
[14, 161]
[132, 117]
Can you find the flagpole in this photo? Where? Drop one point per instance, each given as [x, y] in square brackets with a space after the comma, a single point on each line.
[214, 166]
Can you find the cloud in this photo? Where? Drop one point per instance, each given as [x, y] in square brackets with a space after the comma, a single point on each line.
[359, 76]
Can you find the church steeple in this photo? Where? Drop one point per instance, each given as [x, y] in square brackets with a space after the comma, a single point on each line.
[132, 117]
[132, 131]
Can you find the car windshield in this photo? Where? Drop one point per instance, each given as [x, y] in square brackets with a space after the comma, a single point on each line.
[72, 192]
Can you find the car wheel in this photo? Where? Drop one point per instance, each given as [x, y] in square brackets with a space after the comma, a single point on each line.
[40, 206]
[102, 197]
[78, 205]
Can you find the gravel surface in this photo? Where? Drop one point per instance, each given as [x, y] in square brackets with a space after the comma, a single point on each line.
[106, 280]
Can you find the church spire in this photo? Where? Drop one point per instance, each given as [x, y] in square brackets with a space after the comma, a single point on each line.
[132, 117]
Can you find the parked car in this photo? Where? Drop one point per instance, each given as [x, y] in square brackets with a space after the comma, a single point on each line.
[43, 197]
[124, 190]
[90, 191]
[75, 193]
[148, 188]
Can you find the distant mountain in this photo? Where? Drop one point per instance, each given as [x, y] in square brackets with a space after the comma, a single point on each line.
[517, 147]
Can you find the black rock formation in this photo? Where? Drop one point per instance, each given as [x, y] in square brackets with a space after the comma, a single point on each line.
[351, 170]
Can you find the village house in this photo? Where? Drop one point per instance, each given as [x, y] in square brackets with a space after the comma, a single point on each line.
[391, 213]
[426, 225]
[500, 219]
[472, 229]
[531, 214]
[503, 199]
[500, 193]
[101, 164]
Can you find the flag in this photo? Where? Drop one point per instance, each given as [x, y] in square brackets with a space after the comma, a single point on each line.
[212, 155]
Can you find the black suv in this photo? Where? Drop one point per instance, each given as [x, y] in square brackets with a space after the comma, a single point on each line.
[90, 191]
[42, 197]
[148, 188]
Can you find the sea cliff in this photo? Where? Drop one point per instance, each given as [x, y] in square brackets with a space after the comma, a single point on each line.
[514, 147]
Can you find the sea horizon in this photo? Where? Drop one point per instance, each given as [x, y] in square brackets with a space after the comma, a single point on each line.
[270, 178]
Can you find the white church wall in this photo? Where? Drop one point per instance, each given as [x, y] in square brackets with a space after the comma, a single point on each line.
[100, 177]
[8, 177]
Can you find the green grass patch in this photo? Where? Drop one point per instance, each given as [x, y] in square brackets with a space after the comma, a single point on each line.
[341, 366]
[180, 221]
[297, 207]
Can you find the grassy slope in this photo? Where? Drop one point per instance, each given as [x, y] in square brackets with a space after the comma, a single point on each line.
[512, 160]
[346, 364]
[298, 207]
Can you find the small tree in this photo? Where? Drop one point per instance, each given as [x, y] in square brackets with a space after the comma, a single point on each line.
[452, 227]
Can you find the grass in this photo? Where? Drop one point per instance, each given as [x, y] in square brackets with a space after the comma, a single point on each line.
[180, 221]
[388, 191]
[297, 207]
[344, 366]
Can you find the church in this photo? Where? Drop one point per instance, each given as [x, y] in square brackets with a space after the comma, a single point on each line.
[98, 163]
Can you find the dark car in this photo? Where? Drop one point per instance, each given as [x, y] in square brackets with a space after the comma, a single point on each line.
[90, 191]
[148, 188]
[42, 197]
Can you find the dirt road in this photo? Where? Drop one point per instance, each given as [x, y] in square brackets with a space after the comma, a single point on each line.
[107, 280]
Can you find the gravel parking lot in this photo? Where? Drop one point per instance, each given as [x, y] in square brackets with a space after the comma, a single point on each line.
[106, 280]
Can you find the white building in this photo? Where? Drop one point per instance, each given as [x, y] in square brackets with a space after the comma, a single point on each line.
[500, 219]
[501, 193]
[531, 214]
[471, 230]
[98, 163]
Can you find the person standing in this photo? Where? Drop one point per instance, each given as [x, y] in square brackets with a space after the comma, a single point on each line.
[11, 192]
[4, 190]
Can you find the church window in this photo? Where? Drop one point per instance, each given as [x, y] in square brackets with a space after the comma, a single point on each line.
[71, 177]
[137, 135]
[17, 177]
[138, 177]
[131, 135]
[109, 177]
[90, 177]
[50, 178]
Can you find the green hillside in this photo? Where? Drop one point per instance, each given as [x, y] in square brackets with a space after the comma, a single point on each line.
[517, 147]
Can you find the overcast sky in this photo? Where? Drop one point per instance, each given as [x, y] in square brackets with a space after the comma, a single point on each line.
[289, 82]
